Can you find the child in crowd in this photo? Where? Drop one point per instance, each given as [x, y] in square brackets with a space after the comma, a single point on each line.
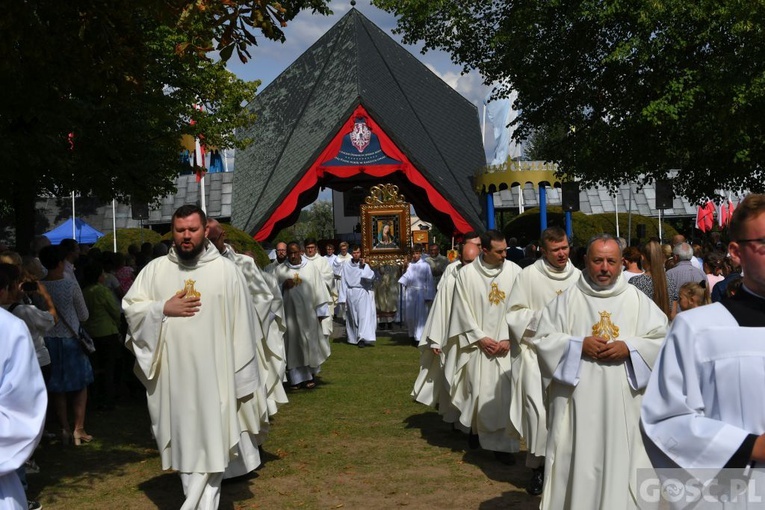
[692, 295]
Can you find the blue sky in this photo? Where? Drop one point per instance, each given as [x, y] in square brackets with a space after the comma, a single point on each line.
[271, 58]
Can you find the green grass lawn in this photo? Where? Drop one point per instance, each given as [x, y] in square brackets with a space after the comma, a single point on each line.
[355, 441]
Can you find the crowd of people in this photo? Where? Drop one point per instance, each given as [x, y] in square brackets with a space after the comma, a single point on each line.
[514, 344]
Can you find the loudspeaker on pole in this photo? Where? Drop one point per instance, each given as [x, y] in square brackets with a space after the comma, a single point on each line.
[140, 210]
[665, 196]
[570, 197]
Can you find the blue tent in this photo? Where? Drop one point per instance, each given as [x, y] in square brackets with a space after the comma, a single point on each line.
[85, 233]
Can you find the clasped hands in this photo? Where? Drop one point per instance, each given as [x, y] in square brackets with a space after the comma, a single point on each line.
[601, 349]
[494, 347]
[181, 306]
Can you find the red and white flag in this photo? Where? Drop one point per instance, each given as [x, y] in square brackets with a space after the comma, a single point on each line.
[705, 216]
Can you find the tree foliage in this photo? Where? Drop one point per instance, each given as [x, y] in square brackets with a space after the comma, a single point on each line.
[97, 94]
[622, 91]
[318, 222]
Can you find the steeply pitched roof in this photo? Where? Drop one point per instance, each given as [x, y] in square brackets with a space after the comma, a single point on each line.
[301, 111]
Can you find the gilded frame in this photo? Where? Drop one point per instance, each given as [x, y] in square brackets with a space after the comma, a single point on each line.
[385, 226]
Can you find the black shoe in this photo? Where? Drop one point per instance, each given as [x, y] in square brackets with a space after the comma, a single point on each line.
[505, 458]
[473, 442]
[537, 482]
[362, 344]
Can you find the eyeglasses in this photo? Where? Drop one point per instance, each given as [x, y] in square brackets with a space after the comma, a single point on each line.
[760, 242]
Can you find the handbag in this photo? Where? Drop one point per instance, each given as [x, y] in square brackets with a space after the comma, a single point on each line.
[86, 342]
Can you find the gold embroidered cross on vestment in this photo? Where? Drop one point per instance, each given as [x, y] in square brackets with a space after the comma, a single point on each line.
[605, 328]
[297, 279]
[191, 292]
[496, 296]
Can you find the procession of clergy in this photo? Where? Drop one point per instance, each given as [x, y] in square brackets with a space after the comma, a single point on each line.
[560, 357]
[564, 359]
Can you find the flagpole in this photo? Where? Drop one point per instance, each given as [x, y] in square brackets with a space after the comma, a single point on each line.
[114, 225]
[616, 211]
[660, 236]
[74, 220]
[202, 193]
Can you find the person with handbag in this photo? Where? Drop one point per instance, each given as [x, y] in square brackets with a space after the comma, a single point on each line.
[71, 372]
[103, 325]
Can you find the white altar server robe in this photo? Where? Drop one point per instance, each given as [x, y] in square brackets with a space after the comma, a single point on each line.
[705, 395]
[360, 302]
[23, 402]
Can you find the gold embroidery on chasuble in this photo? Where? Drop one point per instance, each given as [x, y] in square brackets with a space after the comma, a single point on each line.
[191, 292]
[297, 279]
[605, 328]
[559, 292]
[496, 296]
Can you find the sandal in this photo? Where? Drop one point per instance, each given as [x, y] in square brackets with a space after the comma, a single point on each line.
[310, 385]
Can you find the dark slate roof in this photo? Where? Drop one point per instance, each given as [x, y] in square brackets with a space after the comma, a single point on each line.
[303, 108]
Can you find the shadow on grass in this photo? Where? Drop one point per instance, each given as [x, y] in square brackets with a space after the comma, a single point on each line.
[68, 470]
[165, 491]
[511, 499]
[442, 435]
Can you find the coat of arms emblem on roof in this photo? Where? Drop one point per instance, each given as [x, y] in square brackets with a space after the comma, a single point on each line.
[361, 135]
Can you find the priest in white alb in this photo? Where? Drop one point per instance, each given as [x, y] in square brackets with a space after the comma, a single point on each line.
[311, 254]
[358, 279]
[535, 287]
[270, 349]
[419, 292]
[438, 355]
[481, 387]
[596, 344]
[704, 408]
[191, 327]
[306, 299]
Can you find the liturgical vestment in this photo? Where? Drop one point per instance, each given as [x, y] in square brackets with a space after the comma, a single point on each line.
[328, 275]
[360, 302]
[594, 445]
[433, 381]
[200, 372]
[270, 348]
[535, 287]
[418, 281]
[23, 401]
[705, 396]
[481, 387]
[307, 346]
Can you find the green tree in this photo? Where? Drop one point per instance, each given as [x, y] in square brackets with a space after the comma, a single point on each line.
[623, 91]
[317, 221]
[97, 93]
[323, 219]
